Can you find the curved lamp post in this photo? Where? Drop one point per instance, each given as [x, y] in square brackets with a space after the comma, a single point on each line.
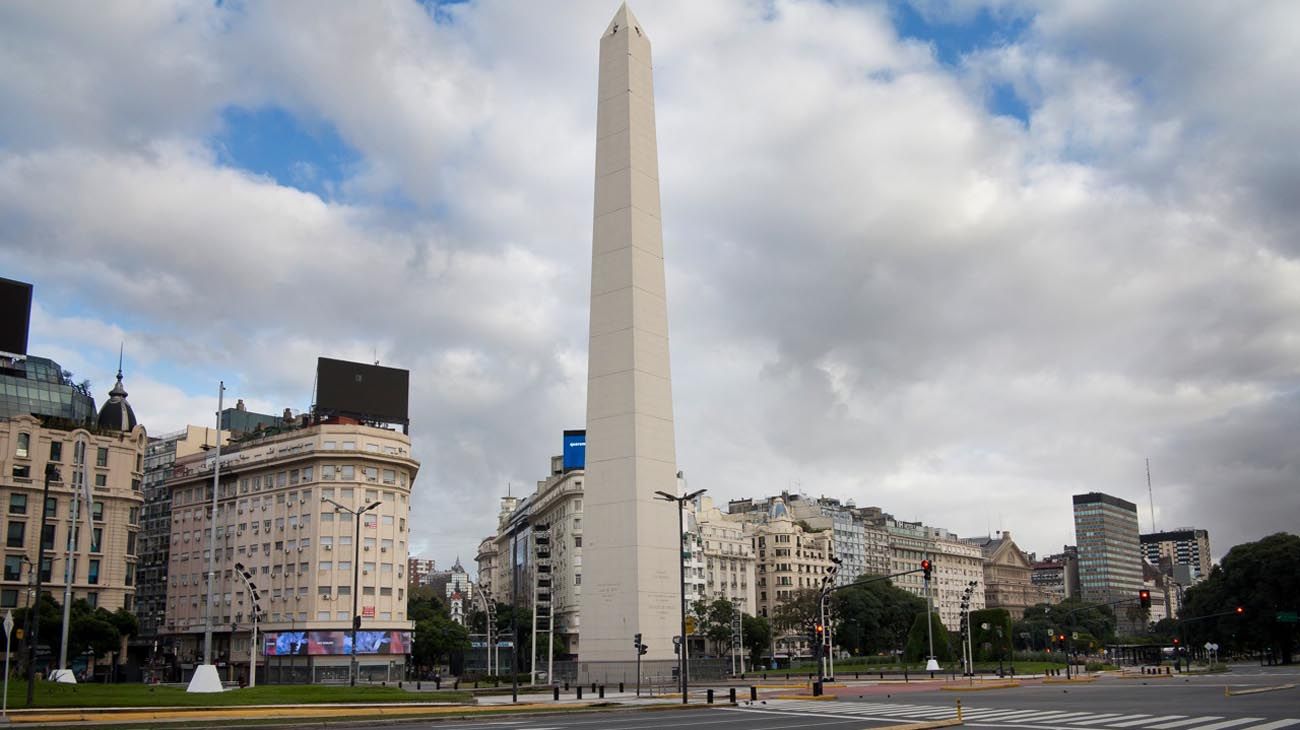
[356, 576]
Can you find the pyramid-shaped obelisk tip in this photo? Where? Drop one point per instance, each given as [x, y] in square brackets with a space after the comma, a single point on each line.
[624, 21]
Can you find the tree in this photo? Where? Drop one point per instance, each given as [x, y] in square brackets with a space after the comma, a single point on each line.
[713, 621]
[1069, 616]
[990, 644]
[438, 638]
[758, 636]
[424, 603]
[1260, 577]
[918, 640]
[874, 618]
[799, 613]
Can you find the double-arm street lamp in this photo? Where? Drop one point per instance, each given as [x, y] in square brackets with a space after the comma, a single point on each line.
[356, 575]
[681, 565]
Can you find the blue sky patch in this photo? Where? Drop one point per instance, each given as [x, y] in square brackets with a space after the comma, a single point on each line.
[954, 36]
[270, 141]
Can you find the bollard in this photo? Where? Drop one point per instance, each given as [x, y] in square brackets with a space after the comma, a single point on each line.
[593, 686]
[753, 693]
[399, 684]
[931, 675]
[579, 691]
[905, 680]
[1168, 671]
[709, 697]
[417, 684]
[731, 696]
[437, 682]
[602, 692]
[620, 688]
[476, 684]
[566, 685]
[764, 676]
[958, 709]
[882, 674]
[457, 686]
[555, 694]
[817, 689]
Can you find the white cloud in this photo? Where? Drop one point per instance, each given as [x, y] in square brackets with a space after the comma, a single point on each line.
[879, 289]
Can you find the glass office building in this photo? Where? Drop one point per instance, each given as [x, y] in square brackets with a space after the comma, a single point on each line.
[39, 386]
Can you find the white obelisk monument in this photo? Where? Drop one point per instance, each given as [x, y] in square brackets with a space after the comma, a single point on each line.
[631, 545]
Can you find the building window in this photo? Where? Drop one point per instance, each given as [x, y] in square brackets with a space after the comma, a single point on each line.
[96, 540]
[101, 481]
[47, 537]
[24, 445]
[17, 503]
[101, 456]
[130, 575]
[47, 568]
[130, 543]
[13, 567]
[17, 531]
[92, 576]
[93, 599]
[97, 511]
[56, 451]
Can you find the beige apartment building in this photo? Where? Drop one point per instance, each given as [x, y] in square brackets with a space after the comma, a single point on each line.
[955, 565]
[272, 518]
[789, 559]
[111, 461]
[1008, 576]
[728, 558]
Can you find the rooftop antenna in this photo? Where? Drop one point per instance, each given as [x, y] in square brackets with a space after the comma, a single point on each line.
[1151, 497]
[375, 352]
[120, 348]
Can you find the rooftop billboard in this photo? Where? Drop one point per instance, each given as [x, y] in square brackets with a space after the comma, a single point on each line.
[364, 391]
[15, 315]
[575, 450]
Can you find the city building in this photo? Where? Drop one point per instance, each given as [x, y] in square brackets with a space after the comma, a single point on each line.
[458, 592]
[418, 570]
[155, 534]
[725, 556]
[1183, 546]
[788, 559]
[273, 518]
[1110, 555]
[1008, 576]
[105, 452]
[1058, 574]
[39, 386]
[862, 546]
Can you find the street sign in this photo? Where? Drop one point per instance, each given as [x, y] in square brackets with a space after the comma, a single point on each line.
[9, 623]
[1288, 617]
[690, 624]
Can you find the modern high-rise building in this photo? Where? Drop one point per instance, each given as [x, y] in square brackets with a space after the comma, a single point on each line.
[309, 560]
[1110, 555]
[1183, 546]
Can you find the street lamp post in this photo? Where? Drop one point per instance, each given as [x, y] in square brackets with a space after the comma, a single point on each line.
[681, 569]
[33, 614]
[356, 576]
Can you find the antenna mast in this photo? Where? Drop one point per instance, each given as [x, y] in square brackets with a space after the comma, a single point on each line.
[1151, 497]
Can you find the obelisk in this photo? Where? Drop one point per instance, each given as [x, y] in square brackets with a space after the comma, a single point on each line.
[631, 546]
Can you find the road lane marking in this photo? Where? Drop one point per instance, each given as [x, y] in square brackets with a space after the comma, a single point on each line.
[1147, 721]
[1181, 723]
[1099, 719]
[1229, 723]
[1274, 725]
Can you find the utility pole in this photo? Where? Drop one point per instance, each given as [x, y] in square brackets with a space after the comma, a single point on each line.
[681, 568]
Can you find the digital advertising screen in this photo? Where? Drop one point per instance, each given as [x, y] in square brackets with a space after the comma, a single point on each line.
[16, 306]
[335, 643]
[359, 389]
[575, 450]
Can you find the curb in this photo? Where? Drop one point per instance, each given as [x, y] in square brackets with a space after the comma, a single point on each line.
[1228, 692]
[819, 698]
[981, 688]
[1085, 680]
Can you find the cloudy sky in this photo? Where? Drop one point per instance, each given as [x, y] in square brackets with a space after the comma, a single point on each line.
[959, 260]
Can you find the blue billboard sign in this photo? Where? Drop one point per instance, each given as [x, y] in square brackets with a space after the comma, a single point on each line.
[575, 450]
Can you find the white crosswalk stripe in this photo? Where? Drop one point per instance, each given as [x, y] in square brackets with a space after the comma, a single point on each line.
[1052, 718]
[1146, 721]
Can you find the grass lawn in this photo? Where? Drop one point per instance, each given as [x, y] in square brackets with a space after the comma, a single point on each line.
[52, 694]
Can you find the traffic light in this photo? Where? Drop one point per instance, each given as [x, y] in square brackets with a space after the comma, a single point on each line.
[636, 641]
[925, 568]
[1240, 610]
[821, 630]
[1144, 598]
[641, 649]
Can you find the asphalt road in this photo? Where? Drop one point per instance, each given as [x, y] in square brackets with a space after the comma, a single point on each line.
[1108, 704]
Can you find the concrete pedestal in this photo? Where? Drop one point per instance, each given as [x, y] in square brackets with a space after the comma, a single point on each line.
[206, 679]
[63, 676]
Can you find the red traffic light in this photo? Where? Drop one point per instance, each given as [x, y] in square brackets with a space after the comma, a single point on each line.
[1240, 610]
[926, 566]
[820, 628]
[1175, 642]
[1144, 598]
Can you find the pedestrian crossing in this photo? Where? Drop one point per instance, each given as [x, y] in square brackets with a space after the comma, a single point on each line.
[1029, 718]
